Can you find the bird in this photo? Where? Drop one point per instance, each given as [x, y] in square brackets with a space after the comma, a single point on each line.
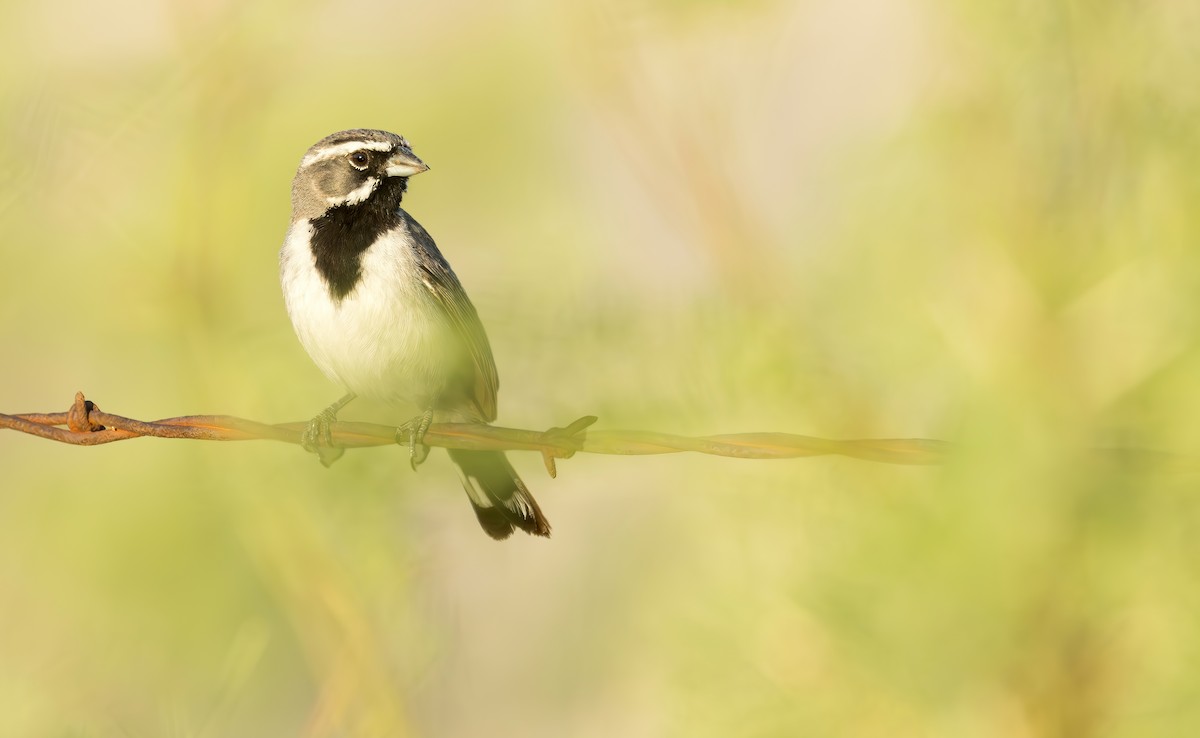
[381, 313]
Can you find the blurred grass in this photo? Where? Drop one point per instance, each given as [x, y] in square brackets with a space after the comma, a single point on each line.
[962, 220]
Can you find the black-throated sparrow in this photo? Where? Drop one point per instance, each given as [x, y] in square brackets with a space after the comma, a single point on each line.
[382, 314]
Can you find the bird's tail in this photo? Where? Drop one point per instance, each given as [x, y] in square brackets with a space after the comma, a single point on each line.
[501, 500]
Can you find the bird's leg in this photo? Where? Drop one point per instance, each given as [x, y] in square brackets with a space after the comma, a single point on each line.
[415, 429]
[316, 437]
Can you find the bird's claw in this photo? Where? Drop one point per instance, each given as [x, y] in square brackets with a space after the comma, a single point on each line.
[417, 455]
[317, 438]
[316, 433]
[415, 430]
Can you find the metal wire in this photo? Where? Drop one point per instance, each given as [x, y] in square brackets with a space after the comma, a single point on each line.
[87, 425]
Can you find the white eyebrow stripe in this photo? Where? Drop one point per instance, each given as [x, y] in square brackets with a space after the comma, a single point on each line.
[356, 195]
[345, 148]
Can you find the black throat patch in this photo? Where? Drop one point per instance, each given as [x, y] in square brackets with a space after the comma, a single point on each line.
[343, 233]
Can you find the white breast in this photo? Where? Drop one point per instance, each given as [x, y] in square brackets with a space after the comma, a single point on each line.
[386, 339]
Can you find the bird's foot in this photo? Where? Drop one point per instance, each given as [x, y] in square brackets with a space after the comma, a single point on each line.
[317, 438]
[316, 433]
[414, 431]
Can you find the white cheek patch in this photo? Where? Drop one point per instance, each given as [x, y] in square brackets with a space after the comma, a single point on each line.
[356, 195]
[345, 148]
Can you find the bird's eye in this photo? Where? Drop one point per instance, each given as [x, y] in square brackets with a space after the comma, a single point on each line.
[359, 159]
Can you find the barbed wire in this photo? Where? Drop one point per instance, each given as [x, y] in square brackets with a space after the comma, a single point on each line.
[85, 424]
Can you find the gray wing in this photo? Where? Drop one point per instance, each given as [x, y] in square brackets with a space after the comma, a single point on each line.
[441, 281]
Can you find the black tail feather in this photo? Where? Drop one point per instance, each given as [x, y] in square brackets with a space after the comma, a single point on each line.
[501, 500]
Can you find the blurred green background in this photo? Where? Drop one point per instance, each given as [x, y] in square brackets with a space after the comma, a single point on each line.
[974, 221]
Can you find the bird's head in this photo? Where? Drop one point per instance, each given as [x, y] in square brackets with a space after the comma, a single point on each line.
[351, 167]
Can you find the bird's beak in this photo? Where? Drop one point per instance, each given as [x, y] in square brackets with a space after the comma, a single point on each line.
[404, 163]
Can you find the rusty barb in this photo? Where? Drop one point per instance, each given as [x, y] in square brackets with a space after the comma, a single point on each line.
[87, 425]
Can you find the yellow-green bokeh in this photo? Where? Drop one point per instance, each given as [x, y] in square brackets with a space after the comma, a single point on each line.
[973, 221]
